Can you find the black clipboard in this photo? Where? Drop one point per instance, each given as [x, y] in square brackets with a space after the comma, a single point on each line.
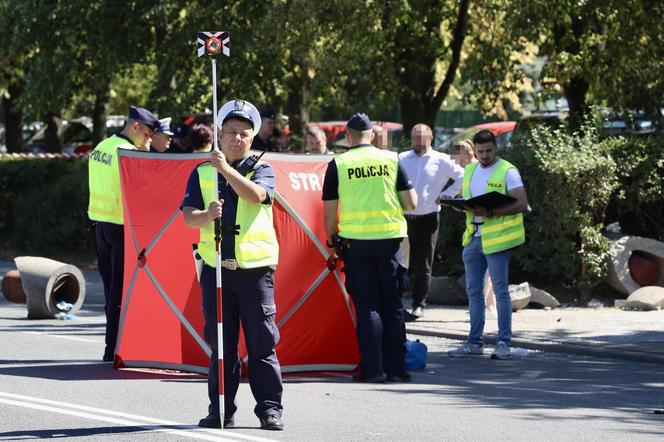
[489, 201]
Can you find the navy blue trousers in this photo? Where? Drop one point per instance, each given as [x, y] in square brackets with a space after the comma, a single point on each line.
[248, 298]
[109, 240]
[371, 281]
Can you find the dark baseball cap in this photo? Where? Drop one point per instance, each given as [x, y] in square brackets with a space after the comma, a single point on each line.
[144, 116]
[359, 122]
[268, 112]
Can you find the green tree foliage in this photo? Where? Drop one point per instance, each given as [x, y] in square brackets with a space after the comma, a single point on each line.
[422, 40]
[13, 53]
[606, 52]
[569, 178]
[79, 47]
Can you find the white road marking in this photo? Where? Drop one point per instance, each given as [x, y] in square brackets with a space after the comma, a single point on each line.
[126, 419]
[96, 341]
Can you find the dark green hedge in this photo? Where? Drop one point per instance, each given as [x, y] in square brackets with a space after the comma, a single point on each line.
[43, 208]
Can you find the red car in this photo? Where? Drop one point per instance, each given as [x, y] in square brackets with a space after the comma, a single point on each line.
[333, 129]
[501, 129]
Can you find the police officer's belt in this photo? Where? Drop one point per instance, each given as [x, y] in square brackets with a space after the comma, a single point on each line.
[229, 264]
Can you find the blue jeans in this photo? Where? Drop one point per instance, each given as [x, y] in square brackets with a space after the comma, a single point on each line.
[476, 264]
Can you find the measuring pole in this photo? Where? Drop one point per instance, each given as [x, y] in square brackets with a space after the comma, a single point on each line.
[217, 242]
[213, 43]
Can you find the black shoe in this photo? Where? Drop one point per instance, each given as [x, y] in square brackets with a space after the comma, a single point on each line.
[409, 317]
[107, 358]
[360, 377]
[403, 377]
[272, 423]
[210, 421]
[229, 422]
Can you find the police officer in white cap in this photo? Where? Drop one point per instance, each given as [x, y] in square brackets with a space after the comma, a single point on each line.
[161, 138]
[249, 258]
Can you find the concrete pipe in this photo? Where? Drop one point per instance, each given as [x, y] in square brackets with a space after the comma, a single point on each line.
[636, 262]
[12, 288]
[47, 282]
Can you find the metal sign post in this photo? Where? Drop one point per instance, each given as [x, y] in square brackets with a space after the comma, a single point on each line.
[211, 44]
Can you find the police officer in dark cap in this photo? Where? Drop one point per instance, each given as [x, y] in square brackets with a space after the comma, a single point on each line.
[249, 252]
[105, 209]
[373, 192]
[264, 140]
[180, 141]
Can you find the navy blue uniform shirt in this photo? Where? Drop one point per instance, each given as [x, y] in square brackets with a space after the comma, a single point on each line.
[331, 180]
[263, 176]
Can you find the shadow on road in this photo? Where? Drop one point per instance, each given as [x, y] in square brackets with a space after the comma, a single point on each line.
[85, 432]
[544, 385]
[84, 370]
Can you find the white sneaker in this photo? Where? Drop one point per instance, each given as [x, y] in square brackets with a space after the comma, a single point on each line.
[501, 351]
[466, 349]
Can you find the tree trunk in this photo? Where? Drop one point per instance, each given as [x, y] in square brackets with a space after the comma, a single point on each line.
[294, 109]
[305, 95]
[52, 140]
[585, 292]
[415, 111]
[575, 92]
[13, 119]
[100, 114]
[420, 101]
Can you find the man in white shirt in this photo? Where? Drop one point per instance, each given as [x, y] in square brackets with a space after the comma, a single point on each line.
[429, 171]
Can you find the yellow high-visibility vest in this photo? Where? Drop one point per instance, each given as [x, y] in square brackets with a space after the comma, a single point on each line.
[256, 245]
[104, 181]
[498, 232]
[368, 199]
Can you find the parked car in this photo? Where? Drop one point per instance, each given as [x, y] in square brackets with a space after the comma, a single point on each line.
[635, 123]
[394, 132]
[501, 129]
[76, 134]
[612, 124]
[526, 125]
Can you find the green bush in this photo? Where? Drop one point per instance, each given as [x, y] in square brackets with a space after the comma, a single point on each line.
[43, 208]
[569, 179]
[639, 205]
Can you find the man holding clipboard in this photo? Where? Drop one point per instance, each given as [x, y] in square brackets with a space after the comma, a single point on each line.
[494, 226]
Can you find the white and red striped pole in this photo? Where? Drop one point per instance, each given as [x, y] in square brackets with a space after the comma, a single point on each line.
[220, 335]
[217, 240]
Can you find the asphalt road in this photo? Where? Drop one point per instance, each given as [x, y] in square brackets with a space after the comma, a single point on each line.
[53, 385]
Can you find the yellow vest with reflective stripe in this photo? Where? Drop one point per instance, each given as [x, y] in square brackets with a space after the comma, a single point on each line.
[369, 204]
[104, 181]
[256, 245]
[498, 232]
